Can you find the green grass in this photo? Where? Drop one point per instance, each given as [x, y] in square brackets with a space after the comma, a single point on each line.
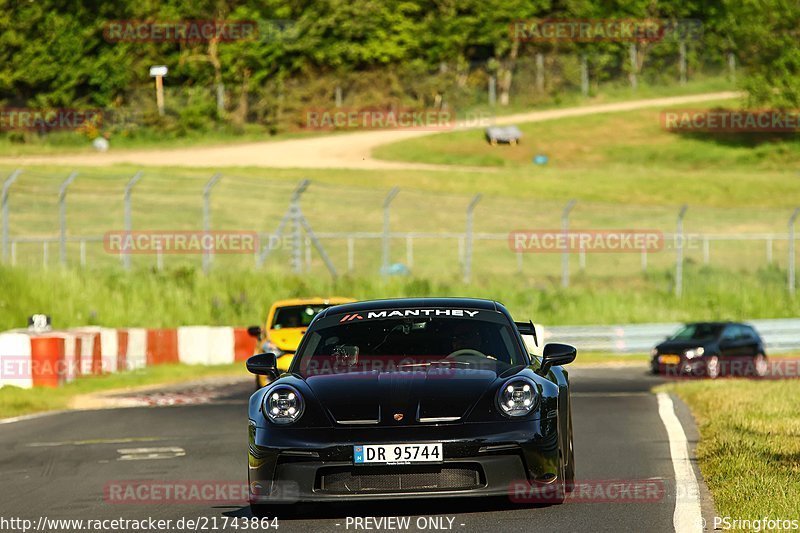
[152, 138]
[15, 401]
[111, 297]
[592, 358]
[749, 452]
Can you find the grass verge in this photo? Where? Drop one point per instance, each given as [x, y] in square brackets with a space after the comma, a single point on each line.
[169, 298]
[15, 401]
[66, 142]
[749, 452]
[598, 358]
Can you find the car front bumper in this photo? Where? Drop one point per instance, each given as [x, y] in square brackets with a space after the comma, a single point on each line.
[480, 459]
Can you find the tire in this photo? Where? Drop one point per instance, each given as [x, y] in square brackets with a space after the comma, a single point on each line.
[569, 474]
[759, 366]
[561, 485]
[713, 367]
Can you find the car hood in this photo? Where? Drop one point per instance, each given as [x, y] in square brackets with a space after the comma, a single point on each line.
[419, 396]
[287, 339]
[680, 346]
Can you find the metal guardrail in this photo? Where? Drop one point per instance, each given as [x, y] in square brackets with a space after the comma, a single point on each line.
[780, 335]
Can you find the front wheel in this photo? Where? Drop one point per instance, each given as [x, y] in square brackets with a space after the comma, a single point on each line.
[759, 366]
[713, 367]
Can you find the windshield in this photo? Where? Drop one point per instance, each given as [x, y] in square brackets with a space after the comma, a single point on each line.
[296, 316]
[697, 332]
[409, 344]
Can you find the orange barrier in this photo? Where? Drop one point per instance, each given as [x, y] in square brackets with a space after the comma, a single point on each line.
[162, 346]
[122, 350]
[243, 344]
[47, 361]
[97, 355]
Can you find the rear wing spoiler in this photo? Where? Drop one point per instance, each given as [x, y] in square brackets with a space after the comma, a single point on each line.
[527, 328]
[532, 332]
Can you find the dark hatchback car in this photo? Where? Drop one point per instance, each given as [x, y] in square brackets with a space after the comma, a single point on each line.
[711, 349]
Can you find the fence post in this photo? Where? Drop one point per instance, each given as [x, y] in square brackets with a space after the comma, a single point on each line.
[351, 259]
[792, 284]
[732, 67]
[386, 203]
[62, 215]
[297, 242]
[126, 256]
[565, 253]
[468, 235]
[6, 185]
[632, 76]
[769, 250]
[207, 217]
[682, 62]
[679, 253]
[539, 72]
[584, 76]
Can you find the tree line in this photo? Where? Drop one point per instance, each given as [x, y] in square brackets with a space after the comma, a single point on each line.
[265, 59]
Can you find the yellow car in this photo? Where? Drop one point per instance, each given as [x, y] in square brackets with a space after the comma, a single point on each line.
[286, 323]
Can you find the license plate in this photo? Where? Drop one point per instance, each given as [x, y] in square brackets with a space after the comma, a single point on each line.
[397, 454]
[669, 359]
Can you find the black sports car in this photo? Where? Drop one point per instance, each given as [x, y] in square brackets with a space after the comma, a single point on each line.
[711, 349]
[412, 398]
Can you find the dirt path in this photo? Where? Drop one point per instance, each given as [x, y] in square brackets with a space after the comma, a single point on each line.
[351, 150]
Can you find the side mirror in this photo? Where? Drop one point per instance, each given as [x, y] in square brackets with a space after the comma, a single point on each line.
[254, 331]
[263, 364]
[556, 354]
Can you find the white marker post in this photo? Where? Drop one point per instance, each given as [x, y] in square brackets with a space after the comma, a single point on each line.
[158, 72]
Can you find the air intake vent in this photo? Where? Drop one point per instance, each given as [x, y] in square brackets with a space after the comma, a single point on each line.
[398, 479]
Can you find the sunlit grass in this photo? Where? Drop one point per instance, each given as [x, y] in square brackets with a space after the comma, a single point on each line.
[749, 451]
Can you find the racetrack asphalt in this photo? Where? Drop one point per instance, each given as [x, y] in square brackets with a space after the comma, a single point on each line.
[63, 465]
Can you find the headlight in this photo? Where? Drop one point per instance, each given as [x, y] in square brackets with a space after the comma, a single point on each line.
[268, 347]
[283, 405]
[654, 352]
[697, 352]
[517, 397]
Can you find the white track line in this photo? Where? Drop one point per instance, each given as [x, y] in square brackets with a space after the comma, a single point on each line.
[687, 516]
[34, 416]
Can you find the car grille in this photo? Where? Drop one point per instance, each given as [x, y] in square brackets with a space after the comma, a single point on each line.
[348, 480]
